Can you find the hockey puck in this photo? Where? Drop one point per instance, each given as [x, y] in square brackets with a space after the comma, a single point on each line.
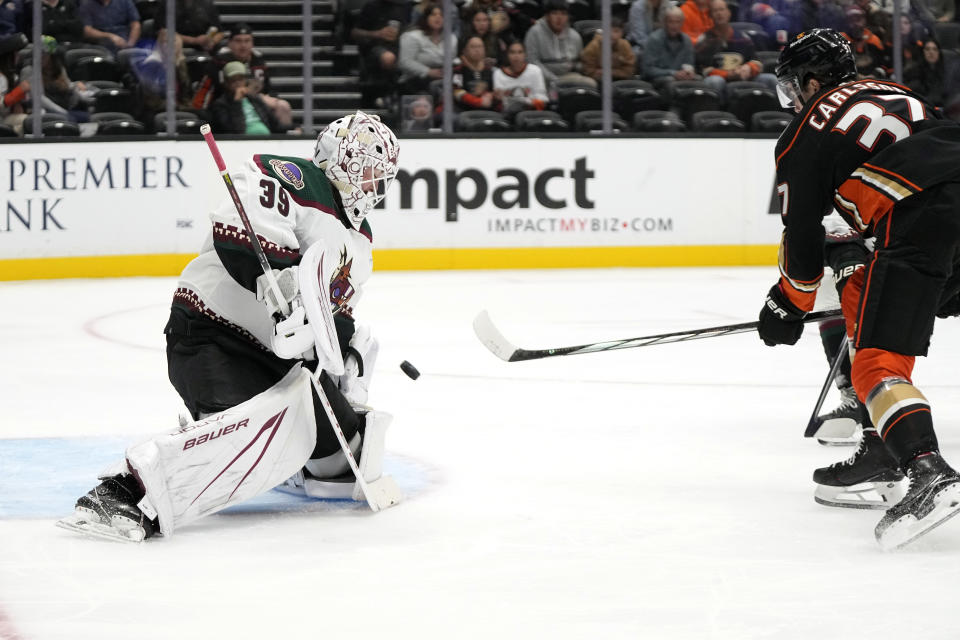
[410, 370]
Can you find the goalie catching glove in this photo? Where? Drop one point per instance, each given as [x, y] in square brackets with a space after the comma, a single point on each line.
[358, 363]
[292, 336]
[781, 322]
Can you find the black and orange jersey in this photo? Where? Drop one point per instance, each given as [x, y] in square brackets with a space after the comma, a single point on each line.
[858, 147]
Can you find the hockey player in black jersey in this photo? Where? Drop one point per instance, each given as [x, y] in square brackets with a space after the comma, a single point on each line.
[889, 163]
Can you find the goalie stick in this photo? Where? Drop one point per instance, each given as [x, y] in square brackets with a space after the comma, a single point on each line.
[499, 346]
[380, 493]
[831, 375]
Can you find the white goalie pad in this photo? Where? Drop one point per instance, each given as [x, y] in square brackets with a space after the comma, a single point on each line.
[228, 457]
[371, 466]
[316, 268]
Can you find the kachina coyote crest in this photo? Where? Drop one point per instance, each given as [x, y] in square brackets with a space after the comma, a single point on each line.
[341, 290]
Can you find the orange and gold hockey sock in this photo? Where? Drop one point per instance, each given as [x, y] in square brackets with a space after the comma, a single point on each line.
[903, 419]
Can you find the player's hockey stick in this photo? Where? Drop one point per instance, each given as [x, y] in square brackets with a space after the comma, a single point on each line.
[493, 340]
[257, 249]
[831, 375]
[376, 499]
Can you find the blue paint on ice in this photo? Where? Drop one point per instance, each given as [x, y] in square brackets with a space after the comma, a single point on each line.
[43, 477]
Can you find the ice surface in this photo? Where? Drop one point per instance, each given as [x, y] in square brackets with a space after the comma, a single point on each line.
[661, 492]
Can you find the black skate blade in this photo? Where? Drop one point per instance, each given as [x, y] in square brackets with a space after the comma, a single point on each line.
[905, 531]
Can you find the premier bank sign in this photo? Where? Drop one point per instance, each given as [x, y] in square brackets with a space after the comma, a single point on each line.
[36, 188]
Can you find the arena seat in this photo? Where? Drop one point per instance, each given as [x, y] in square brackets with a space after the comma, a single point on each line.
[540, 121]
[657, 121]
[717, 122]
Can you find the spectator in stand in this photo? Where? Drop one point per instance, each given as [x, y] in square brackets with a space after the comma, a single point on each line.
[479, 24]
[668, 55]
[912, 36]
[725, 54]
[812, 14]
[376, 33]
[930, 12]
[240, 48]
[473, 79]
[777, 17]
[932, 77]
[506, 20]
[645, 17]
[555, 47]
[871, 57]
[240, 109]
[878, 21]
[59, 21]
[60, 95]
[421, 51]
[197, 22]
[13, 90]
[114, 24]
[152, 75]
[623, 62]
[519, 86]
[697, 20]
[11, 15]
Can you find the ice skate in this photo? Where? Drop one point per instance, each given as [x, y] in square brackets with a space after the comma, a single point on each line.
[932, 498]
[110, 511]
[842, 426]
[869, 479]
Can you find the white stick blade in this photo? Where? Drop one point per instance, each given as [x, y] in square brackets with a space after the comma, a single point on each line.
[382, 493]
[491, 337]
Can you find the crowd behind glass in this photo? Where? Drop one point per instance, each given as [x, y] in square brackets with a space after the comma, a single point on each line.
[528, 65]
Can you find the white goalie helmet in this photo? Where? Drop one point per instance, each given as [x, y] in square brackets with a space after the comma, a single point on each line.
[359, 154]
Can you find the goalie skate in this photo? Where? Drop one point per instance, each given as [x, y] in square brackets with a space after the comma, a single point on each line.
[842, 426]
[91, 525]
[869, 479]
[110, 511]
[932, 499]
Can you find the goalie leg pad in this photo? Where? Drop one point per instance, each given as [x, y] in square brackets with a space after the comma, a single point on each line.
[334, 464]
[230, 456]
[315, 485]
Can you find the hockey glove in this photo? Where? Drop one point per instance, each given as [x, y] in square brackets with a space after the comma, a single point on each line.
[358, 363]
[289, 289]
[781, 322]
[292, 335]
[844, 259]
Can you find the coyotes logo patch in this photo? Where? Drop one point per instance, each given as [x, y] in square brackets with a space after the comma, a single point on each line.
[341, 289]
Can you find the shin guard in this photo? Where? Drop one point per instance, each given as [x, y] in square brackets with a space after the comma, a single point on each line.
[902, 417]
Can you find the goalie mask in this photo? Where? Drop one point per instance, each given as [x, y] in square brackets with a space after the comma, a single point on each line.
[822, 54]
[358, 153]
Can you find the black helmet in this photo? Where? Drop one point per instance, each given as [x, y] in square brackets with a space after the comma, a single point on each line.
[823, 54]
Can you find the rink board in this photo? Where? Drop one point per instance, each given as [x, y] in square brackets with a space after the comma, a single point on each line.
[142, 208]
